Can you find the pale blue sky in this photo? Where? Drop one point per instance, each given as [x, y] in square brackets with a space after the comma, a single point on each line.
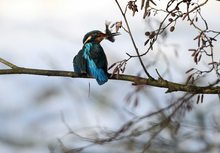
[47, 34]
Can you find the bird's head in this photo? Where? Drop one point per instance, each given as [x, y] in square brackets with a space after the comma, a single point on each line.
[97, 36]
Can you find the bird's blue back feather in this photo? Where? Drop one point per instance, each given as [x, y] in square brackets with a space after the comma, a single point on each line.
[98, 73]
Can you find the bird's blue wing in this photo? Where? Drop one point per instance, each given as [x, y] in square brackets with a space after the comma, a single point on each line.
[96, 71]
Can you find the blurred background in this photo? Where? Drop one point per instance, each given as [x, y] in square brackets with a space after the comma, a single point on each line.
[47, 34]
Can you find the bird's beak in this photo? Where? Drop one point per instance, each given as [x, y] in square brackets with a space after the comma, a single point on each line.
[89, 38]
[115, 34]
[110, 36]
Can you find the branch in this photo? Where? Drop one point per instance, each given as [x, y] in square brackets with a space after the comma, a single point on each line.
[136, 80]
[8, 63]
[133, 42]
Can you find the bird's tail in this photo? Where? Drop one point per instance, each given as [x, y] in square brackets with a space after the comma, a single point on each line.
[99, 74]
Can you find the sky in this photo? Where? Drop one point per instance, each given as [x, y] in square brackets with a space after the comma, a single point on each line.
[47, 34]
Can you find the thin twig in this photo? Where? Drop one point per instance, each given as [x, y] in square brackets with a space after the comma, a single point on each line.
[7, 63]
[133, 42]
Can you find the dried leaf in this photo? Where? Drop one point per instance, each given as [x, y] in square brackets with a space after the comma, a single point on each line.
[196, 19]
[193, 54]
[199, 41]
[112, 66]
[152, 34]
[196, 57]
[123, 69]
[147, 5]
[153, 2]
[185, 16]
[135, 9]
[197, 53]
[200, 56]
[212, 63]
[172, 28]
[146, 42]
[204, 42]
[170, 20]
[147, 33]
[188, 79]
[132, 6]
[189, 70]
[212, 39]
[142, 4]
[211, 44]
[118, 25]
[193, 50]
[177, 8]
[191, 22]
[197, 37]
[115, 71]
[128, 54]
[173, 14]
[151, 45]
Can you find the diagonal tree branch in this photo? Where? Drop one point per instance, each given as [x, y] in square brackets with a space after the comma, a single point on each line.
[133, 42]
[136, 80]
[7, 63]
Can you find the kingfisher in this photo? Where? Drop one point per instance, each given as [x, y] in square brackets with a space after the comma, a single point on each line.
[91, 59]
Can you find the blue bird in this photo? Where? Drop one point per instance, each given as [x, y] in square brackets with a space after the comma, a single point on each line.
[91, 59]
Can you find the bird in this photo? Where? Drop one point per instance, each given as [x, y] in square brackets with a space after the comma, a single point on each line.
[91, 59]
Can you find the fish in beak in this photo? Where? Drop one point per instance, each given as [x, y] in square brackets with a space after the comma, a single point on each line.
[109, 35]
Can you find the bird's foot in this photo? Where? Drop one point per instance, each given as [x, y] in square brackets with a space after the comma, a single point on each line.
[83, 74]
